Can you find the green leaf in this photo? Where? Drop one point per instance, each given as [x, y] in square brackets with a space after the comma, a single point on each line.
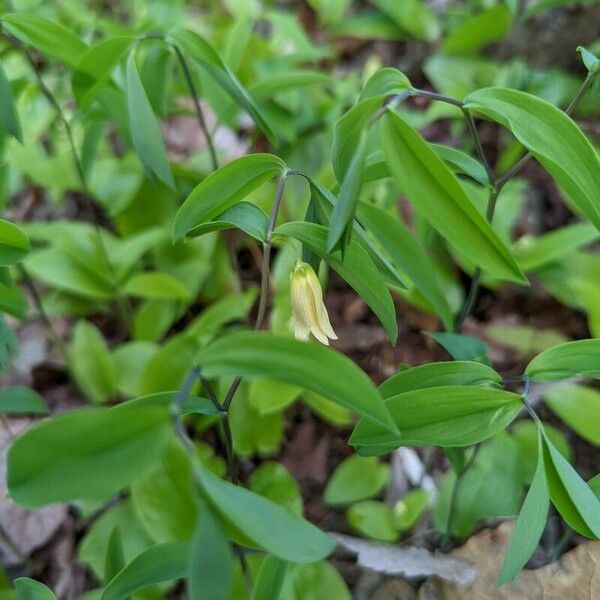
[579, 407]
[462, 347]
[93, 70]
[13, 301]
[256, 354]
[156, 285]
[268, 397]
[165, 497]
[438, 374]
[490, 488]
[273, 481]
[281, 82]
[21, 399]
[14, 244]
[91, 363]
[439, 198]
[29, 589]
[223, 189]
[95, 453]
[589, 59]
[529, 526]
[269, 580]
[356, 268]
[93, 548]
[462, 163]
[144, 128]
[408, 254]
[571, 496]
[199, 49]
[163, 562]
[324, 201]
[356, 478]
[130, 361]
[374, 520]
[9, 118]
[440, 416]
[210, 567]
[49, 37]
[233, 307]
[340, 223]
[552, 137]
[115, 555]
[413, 16]
[265, 523]
[409, 509]
[246, 216]
[471, 36]
[581, 357]
[535, 252]
[314, 581]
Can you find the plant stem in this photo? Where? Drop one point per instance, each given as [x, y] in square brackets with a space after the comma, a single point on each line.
[60, 344]
[199, 112]
[264, 278]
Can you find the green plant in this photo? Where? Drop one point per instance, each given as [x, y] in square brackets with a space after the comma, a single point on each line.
[193, 358]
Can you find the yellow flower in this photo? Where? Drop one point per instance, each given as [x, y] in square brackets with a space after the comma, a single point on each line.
[308, 311]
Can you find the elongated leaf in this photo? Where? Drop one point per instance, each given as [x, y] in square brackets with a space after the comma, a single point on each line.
[408, 254]
[162, 562]
[246, 216]
[552, 137]
[265, 523]
[440, 199]
[570, 494]
[14, 244]
[115, 555]
[198, 48]
[325, 201]
[210, 567]
[356, 268]
[157, 285]
[478, 31]
[579, 407]
[144, 128]
[461, 162]
[29, 589]
[533, 253]
[95, 66]
[49, 37]
[21, 399]
[95, 453]
[340, 224]
[255, 354]
[581, 357]
[459, 372]
[282, 82]
[444, 416]
[223, 189]
[270, 578]
[413, 16]
[529, 526]
[9, 119]
[349, 128]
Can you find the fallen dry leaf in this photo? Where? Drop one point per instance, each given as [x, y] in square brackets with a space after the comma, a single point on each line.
[409, 562]
[576, 576]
